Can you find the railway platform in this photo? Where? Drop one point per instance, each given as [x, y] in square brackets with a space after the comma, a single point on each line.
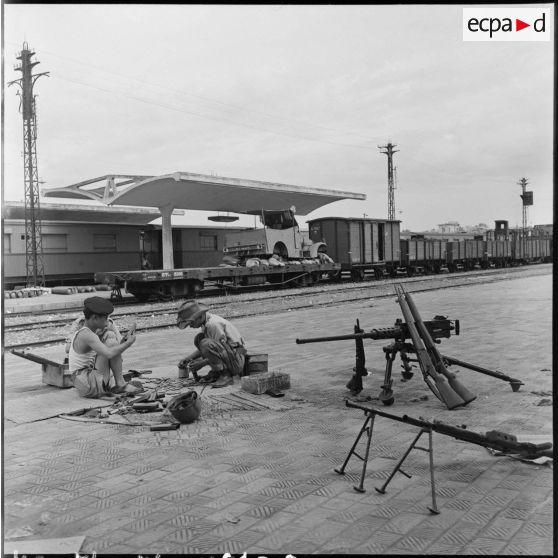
[262, 480]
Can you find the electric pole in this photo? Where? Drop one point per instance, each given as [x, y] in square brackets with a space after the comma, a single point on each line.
[391, 198]
[33, 242]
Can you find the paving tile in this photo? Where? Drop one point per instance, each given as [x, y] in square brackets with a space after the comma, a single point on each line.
[320, 533]
[538, 529]
[501, 528]
[482, 547]
[403, 523]
[461, 535]
[379, 542]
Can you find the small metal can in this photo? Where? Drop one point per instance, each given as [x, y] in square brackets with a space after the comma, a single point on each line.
[184, 371]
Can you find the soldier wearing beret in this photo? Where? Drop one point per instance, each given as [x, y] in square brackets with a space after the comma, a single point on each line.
[92, 358]
[219, 344]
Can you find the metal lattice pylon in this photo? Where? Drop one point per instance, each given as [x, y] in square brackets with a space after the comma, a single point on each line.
[34, 263]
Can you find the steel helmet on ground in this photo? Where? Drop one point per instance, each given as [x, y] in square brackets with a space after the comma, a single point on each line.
[186, 407]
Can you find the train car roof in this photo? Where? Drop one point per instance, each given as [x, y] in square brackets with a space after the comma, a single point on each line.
[367, 219]
[84, 213]
[200, 192]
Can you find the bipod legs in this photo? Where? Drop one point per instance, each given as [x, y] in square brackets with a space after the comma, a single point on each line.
[430, 451]
[366, 427]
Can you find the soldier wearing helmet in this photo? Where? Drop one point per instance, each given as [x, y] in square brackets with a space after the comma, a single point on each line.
[219, 344]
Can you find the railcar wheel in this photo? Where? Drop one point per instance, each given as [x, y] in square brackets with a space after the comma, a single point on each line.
[304, 280]
[194, 287]
[335, 276]
[357, 275]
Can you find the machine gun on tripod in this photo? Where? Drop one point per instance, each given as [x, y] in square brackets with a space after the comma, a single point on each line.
[424, 336]
[440, 327]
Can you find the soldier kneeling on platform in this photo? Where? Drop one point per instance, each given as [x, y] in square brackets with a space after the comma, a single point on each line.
[219, 344]
[95, 350]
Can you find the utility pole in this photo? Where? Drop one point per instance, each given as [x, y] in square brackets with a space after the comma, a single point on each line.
[33, 242]
[391, 198]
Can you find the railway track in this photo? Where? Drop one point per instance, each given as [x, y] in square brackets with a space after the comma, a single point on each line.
[39, 333]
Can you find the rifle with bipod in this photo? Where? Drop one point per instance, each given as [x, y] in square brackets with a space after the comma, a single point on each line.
[502, 442]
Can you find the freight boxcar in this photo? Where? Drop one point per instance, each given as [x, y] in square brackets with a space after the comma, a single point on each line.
[499, 253]
[423, 255]
[360, 245]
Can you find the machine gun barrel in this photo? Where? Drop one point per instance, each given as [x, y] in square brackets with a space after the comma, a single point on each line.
[439, 327]
[381, 333]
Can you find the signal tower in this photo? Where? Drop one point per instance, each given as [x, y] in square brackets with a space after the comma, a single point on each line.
[391, 197]
[35, 268]
[527, 200]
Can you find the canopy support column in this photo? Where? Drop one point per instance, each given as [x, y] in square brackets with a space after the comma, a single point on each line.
[168, 257]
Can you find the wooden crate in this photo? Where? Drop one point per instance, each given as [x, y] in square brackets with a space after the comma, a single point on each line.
[255, 363]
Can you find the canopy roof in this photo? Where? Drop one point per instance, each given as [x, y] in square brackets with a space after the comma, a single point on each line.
[84, 213]
[200, 192]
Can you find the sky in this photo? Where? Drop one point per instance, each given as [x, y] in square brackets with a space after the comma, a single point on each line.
[294, 94]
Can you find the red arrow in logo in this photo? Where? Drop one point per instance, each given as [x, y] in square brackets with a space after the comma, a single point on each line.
[519, 25]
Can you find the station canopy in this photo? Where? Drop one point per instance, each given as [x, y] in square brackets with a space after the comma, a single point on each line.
[84, 213]
[191, 191]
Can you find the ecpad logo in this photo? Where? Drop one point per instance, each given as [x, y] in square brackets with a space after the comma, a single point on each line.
[506, 24]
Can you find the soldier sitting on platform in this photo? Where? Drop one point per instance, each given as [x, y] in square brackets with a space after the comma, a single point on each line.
[95, 350]
[219, 344]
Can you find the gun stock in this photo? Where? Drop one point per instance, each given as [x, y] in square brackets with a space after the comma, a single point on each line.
[441, 389]
[454, 383]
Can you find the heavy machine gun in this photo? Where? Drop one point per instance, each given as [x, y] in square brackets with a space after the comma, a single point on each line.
[440, 327]
[424, 336]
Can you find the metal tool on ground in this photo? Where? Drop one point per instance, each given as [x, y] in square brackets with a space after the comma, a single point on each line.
[135, 374]
[505, 443]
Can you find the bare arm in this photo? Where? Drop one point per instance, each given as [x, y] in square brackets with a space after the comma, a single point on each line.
[87, 340]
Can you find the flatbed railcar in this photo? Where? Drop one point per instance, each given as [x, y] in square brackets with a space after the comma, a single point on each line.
[166, 284]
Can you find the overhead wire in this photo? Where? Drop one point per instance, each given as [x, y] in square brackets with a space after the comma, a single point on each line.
[207, 99]
[215, 118]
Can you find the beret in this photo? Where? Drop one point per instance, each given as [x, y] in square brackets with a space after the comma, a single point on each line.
[98, 305]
